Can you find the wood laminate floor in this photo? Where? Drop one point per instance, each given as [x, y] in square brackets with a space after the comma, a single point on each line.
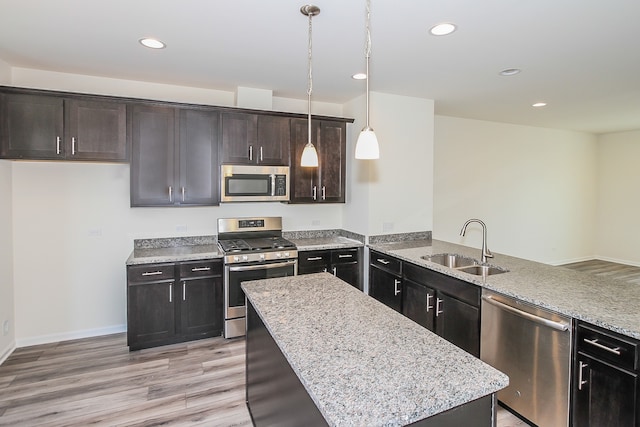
[611, 270]
[97, 381]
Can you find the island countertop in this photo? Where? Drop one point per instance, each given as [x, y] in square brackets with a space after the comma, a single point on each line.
[611, 304]
[361, 362]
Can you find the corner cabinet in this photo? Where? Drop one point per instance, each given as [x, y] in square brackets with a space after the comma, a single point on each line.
[606, 390]
[174, 159]
[385, 280]
[326, 183]
[344, 263]
[254, 139]
[42, 125]
[169, 302]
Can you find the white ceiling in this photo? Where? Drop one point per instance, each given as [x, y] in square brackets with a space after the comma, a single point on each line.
[580, 56]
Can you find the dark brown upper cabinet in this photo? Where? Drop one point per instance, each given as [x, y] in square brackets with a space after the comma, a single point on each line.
[47, 127]
[174, 159]
[254, 139]
[326, 183]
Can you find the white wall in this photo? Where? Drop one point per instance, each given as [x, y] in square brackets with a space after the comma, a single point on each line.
[533, 187]
[618, 207]
[7, 313]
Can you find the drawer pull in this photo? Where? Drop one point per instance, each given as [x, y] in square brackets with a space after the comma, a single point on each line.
[314, 258]
[151, 273]
[595, 343]
[345, 256]
[382, 261]
[200, 269]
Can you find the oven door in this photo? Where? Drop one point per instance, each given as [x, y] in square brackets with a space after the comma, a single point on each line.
[234, 275]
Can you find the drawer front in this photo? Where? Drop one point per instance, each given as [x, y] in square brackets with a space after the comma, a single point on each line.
[314, 258]
[151, 272]
[344, 256]
[464, 291]
[607, 345]
[200, 268]
[385, 262]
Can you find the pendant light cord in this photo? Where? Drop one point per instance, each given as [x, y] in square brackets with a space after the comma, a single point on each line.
[367, 55]
[310, 86]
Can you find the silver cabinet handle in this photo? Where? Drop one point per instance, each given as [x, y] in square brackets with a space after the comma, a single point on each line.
[183, 194]
[438, 310]
[324, 193]
[382, 261]
[335, 271]
[429, 306]
[345, 256]
[314, 258]
[396, 283]
[151, 273]
[581, 381]
[184, 291]
[315, 193]
[595, 343]
[170, 194]
[57, 145]
[171, 292]
[251, 152]
[201, 269]
[261, 153]
[73, 145]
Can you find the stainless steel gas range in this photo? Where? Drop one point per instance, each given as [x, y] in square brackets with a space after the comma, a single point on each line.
[253, 249]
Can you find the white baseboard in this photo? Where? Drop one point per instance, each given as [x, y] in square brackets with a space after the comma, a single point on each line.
[619, 261]
[4, 355]
[66, 336]
[570, 261]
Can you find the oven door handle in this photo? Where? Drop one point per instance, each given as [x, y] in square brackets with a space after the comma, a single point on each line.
[262, 266]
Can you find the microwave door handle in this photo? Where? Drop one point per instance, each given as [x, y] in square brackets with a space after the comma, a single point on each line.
[273, 184]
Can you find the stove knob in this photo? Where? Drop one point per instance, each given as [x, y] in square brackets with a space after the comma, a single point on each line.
[245, 258]
[236, 258]
[262, 257]
[286, 254]
[278, 255]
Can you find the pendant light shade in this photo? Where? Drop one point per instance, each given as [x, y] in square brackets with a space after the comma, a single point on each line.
[367, 145]
[309, 154]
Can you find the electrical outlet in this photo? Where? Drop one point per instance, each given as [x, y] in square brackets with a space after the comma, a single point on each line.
[5, 327]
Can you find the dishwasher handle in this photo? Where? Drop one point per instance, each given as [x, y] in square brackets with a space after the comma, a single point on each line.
[559, 326]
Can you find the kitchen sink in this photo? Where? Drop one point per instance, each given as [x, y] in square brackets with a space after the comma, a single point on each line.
[465, 264]
[451, 260]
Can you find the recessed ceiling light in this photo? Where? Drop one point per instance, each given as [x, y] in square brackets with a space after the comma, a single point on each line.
[443, 29]
[510, 72]
[359, 76]
[539, 104]
[152, 43]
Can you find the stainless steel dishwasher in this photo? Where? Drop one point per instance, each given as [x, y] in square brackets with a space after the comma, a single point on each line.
[533, 347]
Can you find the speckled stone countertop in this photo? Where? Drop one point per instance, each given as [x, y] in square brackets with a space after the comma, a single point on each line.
[361, 362]
[324, 239]
[151, 251]
[609, 303]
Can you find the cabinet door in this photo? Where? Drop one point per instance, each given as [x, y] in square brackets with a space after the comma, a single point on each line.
[304, 180]
[332, 162]
[607, 396]
[151, 314]
[418, 303]
[238, 138]
[201, 307]
[153, 136]
[274, 135]
[96, 130]
[386, 288]
[345, 264]
[313, 261]
[31, 126]
[198, 164]
[458, 323]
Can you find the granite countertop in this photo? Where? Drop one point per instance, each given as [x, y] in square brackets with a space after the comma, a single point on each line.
[321, 243]
[361, 362]
[609, 303]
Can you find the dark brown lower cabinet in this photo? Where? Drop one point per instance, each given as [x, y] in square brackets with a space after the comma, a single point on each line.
[606, 391]
[385, 280]
[173, 302]
[342, 263]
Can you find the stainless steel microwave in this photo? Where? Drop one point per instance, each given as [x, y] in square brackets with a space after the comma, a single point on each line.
[246, 183]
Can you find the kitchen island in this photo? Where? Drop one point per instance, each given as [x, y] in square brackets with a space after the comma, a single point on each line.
[319, 352]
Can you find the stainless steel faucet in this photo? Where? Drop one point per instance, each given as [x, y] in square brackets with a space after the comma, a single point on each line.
[486, 253]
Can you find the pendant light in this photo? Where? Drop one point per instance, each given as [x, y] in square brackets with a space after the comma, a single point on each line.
[367, 144]
[309, 154]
